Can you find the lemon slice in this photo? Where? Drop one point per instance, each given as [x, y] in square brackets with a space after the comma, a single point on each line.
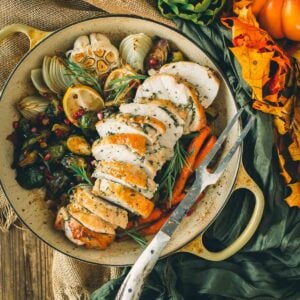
[81, 97]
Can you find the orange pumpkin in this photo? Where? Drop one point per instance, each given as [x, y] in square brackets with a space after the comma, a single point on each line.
[281, 18]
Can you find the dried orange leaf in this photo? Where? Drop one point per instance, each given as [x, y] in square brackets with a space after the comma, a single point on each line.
[294, 198]
[287, 178]
[255, 68]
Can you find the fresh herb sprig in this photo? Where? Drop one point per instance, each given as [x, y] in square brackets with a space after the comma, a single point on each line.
[84, 76]
[139, 239]
[119, 85]
[81, 172]
[168, 179]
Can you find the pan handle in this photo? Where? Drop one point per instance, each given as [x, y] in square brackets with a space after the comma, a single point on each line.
[196, 247]
[34, 35]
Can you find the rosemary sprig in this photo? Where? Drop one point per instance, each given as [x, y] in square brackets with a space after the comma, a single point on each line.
[136, 237]
[84, 76]
[81, 172]
[172, 170]
[119, 85]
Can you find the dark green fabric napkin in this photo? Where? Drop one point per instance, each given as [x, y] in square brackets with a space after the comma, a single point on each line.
[269, 266]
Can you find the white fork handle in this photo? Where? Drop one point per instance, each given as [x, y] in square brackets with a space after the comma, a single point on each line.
[132, 285]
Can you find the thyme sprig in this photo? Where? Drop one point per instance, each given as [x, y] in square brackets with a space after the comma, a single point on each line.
[81, 172]
[168, 179]
[84, 76]
[119, 85]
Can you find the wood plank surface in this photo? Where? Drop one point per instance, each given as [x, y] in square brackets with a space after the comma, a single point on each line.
[25, 266]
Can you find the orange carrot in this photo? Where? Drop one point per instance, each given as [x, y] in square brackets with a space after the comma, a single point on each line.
[193, 151]
[204, 151]
[154, 227]
[177, 199]
[155, 215]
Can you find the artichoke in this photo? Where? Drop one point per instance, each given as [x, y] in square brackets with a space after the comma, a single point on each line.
[199, 12]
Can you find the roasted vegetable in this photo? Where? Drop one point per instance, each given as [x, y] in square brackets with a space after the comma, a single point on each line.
[73, 160]
[280, 18]
[55, 152]
[53, 109]
[87, 123]
[176, 56]
[200, 12]
[158, 55]
[134, 49]
[57, 183]
[30, 177]
[28, 158]
[60, 130]
[31, 106]
[33, 139]
[78, 145]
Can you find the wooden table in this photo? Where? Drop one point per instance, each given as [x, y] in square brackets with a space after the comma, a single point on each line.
[25, 266]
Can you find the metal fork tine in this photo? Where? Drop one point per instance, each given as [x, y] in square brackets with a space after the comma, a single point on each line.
[223, 164]
[220, 140]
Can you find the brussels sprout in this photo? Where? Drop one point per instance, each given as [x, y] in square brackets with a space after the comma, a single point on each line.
[176, 56]
[78, 145]
[35, 139]
[30, 177]
[74, 160]
[87, 123]
[55, 152]
[57, 183]
[53, 109]
[28, 158]
[61, 129]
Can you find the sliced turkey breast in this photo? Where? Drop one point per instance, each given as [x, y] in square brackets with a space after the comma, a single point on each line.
[110, 213]
[166, 86]
[115, 152]
[90, 220]
[123, 196]
[174, 130]
[113, 125]
[80, 235]
[128, 175]
[179, 112]
[202, 78]
[159, 126]
[136, 142]
[88, 238]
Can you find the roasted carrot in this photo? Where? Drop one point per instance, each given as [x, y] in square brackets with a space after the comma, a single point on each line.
[177, 199]
[155, 215]
[204, 151]
[187, 169]
[154, 227]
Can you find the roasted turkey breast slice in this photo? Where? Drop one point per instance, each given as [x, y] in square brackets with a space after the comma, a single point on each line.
[128, 175]
[179, 112]
[174, 130]
[110, 213]
[123, 196]
[166, 86]
[87, 237]
[113, 125]
[159, 126]
[202, 78]
[116, 152]
[90, 220]
[136, 142]
[80, 235]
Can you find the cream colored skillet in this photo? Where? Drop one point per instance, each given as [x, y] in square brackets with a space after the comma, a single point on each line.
[30, 206]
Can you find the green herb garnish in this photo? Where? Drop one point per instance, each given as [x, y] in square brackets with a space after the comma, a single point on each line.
[136, 237]
[84, 76]
[168, 179]
[119, 85]
[81, 172]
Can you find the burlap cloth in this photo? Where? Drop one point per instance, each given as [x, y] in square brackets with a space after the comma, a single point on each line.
[72, 279]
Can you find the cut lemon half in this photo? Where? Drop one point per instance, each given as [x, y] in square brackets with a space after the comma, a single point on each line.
[81, 97]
